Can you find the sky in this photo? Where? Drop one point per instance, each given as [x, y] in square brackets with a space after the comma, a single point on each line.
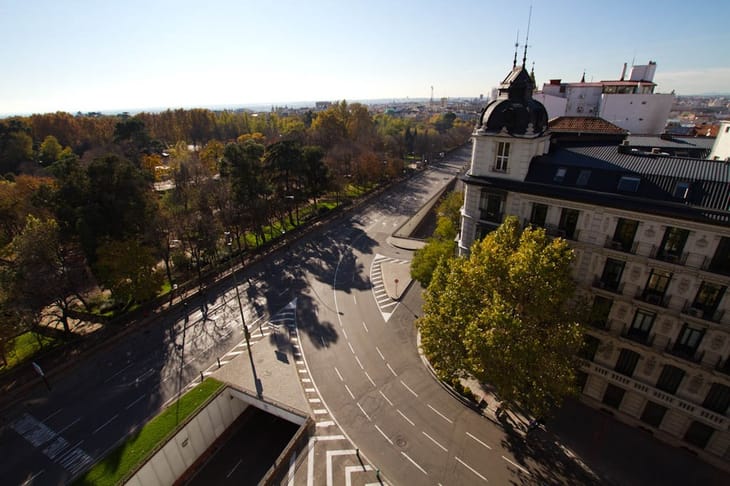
[91, 55]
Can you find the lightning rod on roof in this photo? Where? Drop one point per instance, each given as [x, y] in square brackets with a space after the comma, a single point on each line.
[527, 36]
[517, 45]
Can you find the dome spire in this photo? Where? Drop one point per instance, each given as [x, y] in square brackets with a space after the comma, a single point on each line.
[517, 45]
[527, 36]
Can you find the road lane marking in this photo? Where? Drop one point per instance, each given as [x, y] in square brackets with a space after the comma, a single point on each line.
[348, 391]
[440, 414]
[471, 469]
[234, 468]
[365, 326]
[30, 479]
[325, 423]
[409, 389]
[381, 354]
[345, 333]
[338, 374]
[320, 411]
[393, 371]
[364, 412]
[316, 400]
[105, 424]
[52, 415]
[354, 298]
[134, 402]
[119, 372]
[371, 380]
[351, 348]
[414, 463]
[517, 466]
[69, 426]
[310, 390]
[383, 434]
[358, 362]
[386, 398]
[435, 441]
[304, 372]
[404, 416]
[482, 443]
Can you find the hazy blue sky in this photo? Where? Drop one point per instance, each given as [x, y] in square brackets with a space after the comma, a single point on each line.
[100, 55]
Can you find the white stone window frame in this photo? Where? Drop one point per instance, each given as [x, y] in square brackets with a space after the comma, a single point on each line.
[501, 159]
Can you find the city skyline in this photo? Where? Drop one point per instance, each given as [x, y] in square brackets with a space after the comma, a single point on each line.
[84, 56]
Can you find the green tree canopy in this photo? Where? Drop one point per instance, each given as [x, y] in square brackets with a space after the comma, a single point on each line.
[442, 244]
[506, 316]
[127, 268]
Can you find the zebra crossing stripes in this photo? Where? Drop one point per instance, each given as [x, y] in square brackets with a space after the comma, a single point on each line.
[386, 305]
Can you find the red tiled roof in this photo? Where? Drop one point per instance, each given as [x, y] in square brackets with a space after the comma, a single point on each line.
[583, 124]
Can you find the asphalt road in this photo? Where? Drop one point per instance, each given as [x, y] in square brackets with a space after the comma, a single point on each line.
[375, 384]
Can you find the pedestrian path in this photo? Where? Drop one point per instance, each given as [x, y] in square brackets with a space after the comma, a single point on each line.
[385, 292]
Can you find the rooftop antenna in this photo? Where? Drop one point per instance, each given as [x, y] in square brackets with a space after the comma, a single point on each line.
[527, 36]
[517, 44]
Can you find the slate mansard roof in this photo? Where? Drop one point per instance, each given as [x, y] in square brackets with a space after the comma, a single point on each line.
[605, 175]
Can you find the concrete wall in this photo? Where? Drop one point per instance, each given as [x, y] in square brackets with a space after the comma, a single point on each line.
[180, 452]
[721, 148]
[637, 113]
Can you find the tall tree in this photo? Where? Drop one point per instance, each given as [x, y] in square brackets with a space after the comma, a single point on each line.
[506, 316]
[128, 269]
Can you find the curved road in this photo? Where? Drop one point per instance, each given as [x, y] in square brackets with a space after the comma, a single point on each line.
[371, 378]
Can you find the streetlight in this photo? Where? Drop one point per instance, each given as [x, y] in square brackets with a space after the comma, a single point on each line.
[246, 334]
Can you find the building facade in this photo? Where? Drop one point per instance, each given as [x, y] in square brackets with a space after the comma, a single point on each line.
[630, 103]
[651, 234]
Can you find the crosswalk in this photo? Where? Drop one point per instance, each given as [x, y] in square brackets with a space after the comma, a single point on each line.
[386, 305]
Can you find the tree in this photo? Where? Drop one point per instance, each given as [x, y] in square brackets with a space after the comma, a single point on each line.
[16, 145]
[127, 268]
[47, 277]
[442, 244]
[506, 315]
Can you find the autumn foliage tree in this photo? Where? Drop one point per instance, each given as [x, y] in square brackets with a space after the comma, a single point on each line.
[506, 316]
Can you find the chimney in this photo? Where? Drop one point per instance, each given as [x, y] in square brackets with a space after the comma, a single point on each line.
[623, 72]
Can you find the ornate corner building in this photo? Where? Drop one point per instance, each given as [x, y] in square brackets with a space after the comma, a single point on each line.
[651, 232]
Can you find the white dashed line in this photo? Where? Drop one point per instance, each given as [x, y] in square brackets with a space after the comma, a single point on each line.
[482, 443]
[517, 466]
[338, 374]
[414, 463]
[471, 469]
[351, 348]
[440, 414]
[386, 398]
[359, 363]
[365, 326]
[371, 380]
[406, 418]
[394, 373]
[435, 441]
[350, 392]
[105, 424]
[363, 412]
[381, 354]
[383, 434]
[408, 388]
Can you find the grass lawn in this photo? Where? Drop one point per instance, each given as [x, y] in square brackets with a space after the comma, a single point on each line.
[25, 346]
[122, 460]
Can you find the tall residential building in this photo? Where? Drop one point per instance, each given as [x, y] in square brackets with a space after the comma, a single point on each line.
[651, 234]
[630, 103]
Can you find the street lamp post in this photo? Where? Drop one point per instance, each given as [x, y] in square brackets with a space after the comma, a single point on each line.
[246, 334]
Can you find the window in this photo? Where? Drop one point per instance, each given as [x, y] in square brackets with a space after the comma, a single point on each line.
[681, 190]
[628, 184]
[623, 237]
[539, 214]
[721, 261]
[641, 326]
[718, 398]
[569, 222]
[727, 129]
[670, 379]
[589, 348]
[626, 362]
[500, 163]
[600, 311]
[653, 414]
[688, 341]
[613, 396]
[581, 378]
[560, 174]
[612, 274]
[656, 286]
[490, 207]
[673, 244]
[708, 299]
[583, 177]
[698, 434]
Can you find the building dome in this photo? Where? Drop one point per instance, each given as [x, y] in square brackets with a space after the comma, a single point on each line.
[514, 110]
